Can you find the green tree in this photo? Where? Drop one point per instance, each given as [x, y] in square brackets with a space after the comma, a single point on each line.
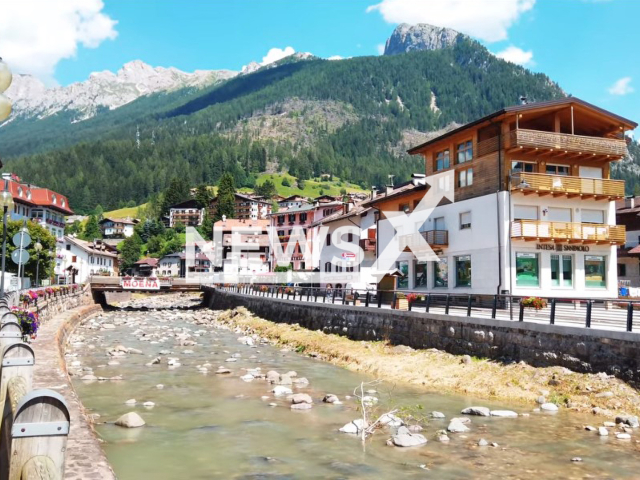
[130, 251]
[203, 196]
[92, 229]
[74, 229]
[226, 197]
[38, 234]
[178, 191]
[286, 182]
[267, 189]
[274, 206]
[98, 211]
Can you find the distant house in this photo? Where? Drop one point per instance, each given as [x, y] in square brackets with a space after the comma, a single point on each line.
[247, 207]
[325, 199]
[293, 201]
[76, 260]
[245, 253]
[145, 267]
[187, 213]
[170, 265]
[117, 228]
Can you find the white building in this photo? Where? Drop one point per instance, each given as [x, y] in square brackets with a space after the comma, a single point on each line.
[170, 265]
[117, 228]
[84, 259]
[533, 210]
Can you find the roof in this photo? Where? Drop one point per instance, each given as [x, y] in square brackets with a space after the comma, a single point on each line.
[357, 209]
[400, 190]
[523, 108]
[124, 221]
[301, 208]
[252, 199]
[635, 250]
[235, 223]
[89, 247]
[295, 198]
[186, 204]
[152, 262]
[37, 196]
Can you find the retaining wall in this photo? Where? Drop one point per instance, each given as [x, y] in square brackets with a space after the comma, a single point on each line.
[580, 349]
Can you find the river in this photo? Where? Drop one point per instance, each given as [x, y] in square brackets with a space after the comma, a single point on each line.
[206, 425]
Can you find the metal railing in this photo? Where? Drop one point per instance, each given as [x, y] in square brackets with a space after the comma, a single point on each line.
[613, 314]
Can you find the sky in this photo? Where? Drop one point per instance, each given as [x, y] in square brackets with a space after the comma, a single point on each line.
[584, 45]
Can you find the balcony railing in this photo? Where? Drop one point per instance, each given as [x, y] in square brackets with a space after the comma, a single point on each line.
[439, 238]
[536, 230]
[368, 244]
[566, 142]
[559, 185]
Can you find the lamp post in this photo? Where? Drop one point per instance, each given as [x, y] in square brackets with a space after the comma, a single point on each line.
[38, 248]
[6, 202]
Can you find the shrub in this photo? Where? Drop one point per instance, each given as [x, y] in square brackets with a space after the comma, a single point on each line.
[534, 302]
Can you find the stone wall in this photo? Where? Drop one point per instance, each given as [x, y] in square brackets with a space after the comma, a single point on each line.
[579, 349]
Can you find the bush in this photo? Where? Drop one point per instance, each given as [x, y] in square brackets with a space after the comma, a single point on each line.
[534, 302]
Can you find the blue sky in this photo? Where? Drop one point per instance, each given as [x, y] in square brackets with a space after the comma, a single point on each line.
[584, 45]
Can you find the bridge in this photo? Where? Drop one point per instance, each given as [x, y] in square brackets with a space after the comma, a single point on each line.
[103, 289]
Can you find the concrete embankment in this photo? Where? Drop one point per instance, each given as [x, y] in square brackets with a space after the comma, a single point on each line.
[85, 458]
[433, 336]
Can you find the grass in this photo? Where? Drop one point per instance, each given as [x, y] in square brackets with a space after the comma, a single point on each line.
[123, 212]
[311, 187]
[442, 372]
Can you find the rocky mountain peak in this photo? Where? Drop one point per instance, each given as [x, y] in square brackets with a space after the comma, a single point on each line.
[408, 38]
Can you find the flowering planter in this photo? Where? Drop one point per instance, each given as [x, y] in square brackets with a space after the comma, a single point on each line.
[401, 304]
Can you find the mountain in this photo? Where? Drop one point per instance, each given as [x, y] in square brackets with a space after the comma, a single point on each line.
[32, 99]
[409, 38]
[352, 119]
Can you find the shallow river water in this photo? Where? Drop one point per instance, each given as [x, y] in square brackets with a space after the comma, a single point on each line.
[218, 426]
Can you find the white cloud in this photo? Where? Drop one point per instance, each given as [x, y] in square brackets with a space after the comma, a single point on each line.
[487, 20]
[36, 34]
[335, 57]
[621, 87]
[380, 48]
[516, 55]
[276, 54]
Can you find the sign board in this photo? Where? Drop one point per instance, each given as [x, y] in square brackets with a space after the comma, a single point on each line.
[22, 239]
[150, 283]
[348, 255]
[20, 256]
[562, 247]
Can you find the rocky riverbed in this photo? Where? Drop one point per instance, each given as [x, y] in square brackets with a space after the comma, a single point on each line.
[177, 393]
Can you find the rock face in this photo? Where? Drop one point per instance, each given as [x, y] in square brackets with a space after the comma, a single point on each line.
[408, 38]
[130, 420]
[31, 98]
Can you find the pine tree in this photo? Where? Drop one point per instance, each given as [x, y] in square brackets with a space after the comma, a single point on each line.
[92, 229]
[178, 191]
[203, 196]
[130, 251]
[226, 197]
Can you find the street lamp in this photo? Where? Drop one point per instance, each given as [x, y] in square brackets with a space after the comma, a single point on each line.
[6, 202]
[5, 81]
[38, 248]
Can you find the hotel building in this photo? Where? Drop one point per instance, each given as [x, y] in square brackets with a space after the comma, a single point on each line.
[533, 210]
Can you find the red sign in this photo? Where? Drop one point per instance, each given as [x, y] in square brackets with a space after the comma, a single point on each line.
[348, 255]
[140, 284]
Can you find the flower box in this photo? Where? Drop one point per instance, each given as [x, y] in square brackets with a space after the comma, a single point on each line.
[401, 304]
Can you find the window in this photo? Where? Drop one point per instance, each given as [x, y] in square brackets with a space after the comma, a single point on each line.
[592, 216]
[465, 151]
[558, 169]
[328, 239]
[559, 214]
[350, 237]
[403, 281]
[525, 212]
[595, 273]
[303, 217]
[441, 273]
[465, 220]
[561, 270]
[622, 269]
[420, 274]
[339, 268]
[442, 160]
[68, 247]
[349, 269]
[527, 270]
[524, 167]
[465, 177]
[463, 271]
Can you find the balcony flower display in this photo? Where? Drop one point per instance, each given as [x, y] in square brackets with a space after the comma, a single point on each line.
[29, 322]
[536, 303]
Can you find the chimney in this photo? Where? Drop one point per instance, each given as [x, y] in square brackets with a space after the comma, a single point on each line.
[418, 179]
[390, 184]
[6, 175]
[373, 192]
[523, 100]
[630, 202]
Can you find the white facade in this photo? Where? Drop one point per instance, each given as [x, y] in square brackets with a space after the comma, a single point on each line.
[114, 228]
[85, 259]
[169, 265]
[45, 217]
[479, 237]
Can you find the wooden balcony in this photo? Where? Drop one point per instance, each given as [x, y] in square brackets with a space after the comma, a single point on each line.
[567, 232]
[560, 185]
[561, 143]
[368, 244]
[435, 238]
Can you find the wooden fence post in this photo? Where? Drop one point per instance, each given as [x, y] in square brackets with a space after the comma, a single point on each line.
[10, 333]
[40, 427]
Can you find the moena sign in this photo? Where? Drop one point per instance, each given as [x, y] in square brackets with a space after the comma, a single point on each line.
[562, 247]
[150, 283]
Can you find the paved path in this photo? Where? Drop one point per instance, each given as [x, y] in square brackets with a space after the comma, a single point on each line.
[85, 458]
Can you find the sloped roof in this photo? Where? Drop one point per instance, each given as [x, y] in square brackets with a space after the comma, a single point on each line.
[89, 247]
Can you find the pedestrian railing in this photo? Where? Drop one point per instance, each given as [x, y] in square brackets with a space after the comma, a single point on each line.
[35, 423]
[607, 313]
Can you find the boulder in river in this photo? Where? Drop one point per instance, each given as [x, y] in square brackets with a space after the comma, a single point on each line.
[301, 398]
[456, 426]
[404, 438]
[549, 407]
[481, 411]
[630, 420]
[355, 426]
[437, 415]
[130, 420]
[281, 390]
[504, 413]
[331, 398]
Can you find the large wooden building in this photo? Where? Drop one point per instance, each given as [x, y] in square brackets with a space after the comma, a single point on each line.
[533, 209]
